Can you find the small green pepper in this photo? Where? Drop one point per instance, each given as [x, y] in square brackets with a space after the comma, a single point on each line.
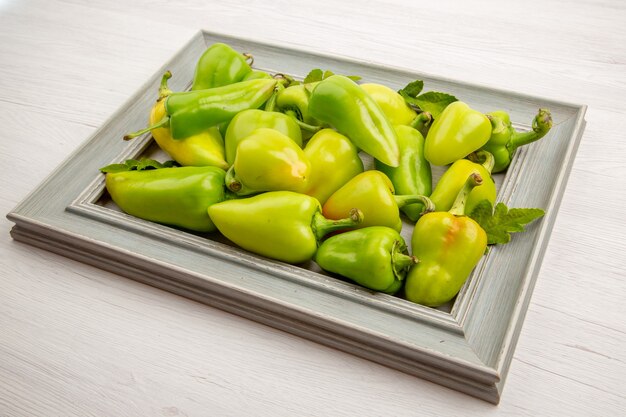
[267, 160]
[344, 105]
[191, 112]
[392, 104]
[247, 121]
[257, 75]
[173, 196]
[448, 246]
[452, 181]
[204, 148]
[375, 257]
[281, 225]
[334, 161]
[218, 66]
[372, 192]
[505, 139]
[456, 133]
[414, 174]
[294, 100]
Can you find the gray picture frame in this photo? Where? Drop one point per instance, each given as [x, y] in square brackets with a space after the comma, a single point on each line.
[466, 346]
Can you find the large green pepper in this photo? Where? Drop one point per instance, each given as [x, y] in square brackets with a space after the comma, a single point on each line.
[173, 196]
[414, 175]
[448, 246]
[375, 257]
[246, 122]
[281, 225]
[204, 148]
[452, 181]
[218, 66]
[334, 161]
[372, 192]
[191, 112]
[267, 160]
[344, 105]
[457, 132]
[505, 139]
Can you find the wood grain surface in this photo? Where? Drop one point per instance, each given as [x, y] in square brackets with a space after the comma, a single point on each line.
[77, 341]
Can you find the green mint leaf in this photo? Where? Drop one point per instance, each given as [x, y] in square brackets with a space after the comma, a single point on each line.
[170, 164]
[354, 78]
[327, 74]
[313, 76]
[412, 89]
[113, 168]
[500, 222]
[433, 102]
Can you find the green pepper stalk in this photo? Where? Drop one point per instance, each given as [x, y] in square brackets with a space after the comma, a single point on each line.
[373, 193]
[344, 105]
[272, 104]
[414, 175]
[374, 257]
[448, 246]
[505, 140]
[281, 225]
[452, 181]
[191, 112]
[172, 196]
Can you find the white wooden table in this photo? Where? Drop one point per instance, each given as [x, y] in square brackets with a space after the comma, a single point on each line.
[77, 341]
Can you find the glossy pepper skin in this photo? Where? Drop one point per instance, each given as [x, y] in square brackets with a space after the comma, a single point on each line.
[172, 196]
[453, 180]
[334, 161]
[192, 112]
[372, 192]
[281, 225]
[505, 140]
[414, 175]
[267, 160]
[204, 148]
[457, 132]
[375, 257]
[391, 103]
[344, 105]
[247, 121]
[218, 66]
[294, 100]
[448, 246]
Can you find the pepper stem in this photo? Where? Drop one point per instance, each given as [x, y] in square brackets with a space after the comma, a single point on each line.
[422, 122]
[249, 58]
[304, 126]
[235, 185]
[404, 200]
[161, 123]
[164, 90]
[542, 123]
[483, 157]
[322, 226]
[458, 207]
[400, 261]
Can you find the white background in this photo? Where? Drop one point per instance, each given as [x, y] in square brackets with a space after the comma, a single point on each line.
[77, 341]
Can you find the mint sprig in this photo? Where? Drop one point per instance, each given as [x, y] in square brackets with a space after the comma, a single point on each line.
[433, 102]
[500, 221]
[138, 165]
[317, 74]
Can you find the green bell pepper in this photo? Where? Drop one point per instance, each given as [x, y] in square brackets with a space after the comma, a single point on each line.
[281, 225]
[172, 196]
[505, 140]
[191, 112]
[267, 160]
[344, 105]
[334, 161]
[247, 121]
[375, 257]
[414, 175]
[456, 133]
[452, 181]
[372, 192]
[448, 246]
[220, 65]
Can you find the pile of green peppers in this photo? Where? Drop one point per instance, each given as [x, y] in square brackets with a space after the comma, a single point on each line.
[277, 167]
